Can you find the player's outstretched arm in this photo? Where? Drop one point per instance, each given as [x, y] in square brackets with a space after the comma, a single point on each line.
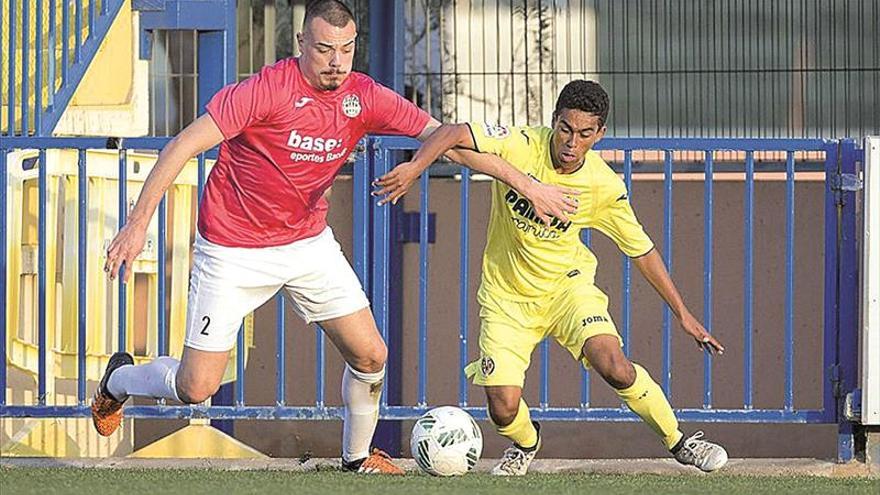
[654, 270]
[457, 143]
[201, 135]
[395, 183]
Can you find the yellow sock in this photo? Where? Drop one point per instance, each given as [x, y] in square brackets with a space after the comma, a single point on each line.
[520, 430]
[645, 398]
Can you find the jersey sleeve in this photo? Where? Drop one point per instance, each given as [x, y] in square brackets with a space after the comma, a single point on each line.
[510, 143]
[241, 105]
[391, 113]
[617, 220]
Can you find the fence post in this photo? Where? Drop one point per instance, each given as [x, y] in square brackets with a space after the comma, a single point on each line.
[387, 38]
[848, 306]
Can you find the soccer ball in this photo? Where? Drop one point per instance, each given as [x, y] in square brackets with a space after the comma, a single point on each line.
[446, 441]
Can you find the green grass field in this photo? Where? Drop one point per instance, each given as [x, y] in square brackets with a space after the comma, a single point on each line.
[45, 481]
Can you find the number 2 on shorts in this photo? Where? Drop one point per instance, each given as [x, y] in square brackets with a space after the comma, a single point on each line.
[207, 320]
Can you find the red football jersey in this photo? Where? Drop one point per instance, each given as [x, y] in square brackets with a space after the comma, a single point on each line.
[285, 141]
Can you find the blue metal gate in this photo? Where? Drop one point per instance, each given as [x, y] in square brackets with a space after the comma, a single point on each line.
[372, 227]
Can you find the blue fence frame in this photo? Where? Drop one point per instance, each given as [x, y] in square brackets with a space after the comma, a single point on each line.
[372, 228]
[39, 117]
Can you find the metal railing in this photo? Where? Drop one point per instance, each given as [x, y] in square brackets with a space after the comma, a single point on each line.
[372, 227]
[44, 67]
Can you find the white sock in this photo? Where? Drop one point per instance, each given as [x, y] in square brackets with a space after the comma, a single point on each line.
[157, 379]
[360, 395]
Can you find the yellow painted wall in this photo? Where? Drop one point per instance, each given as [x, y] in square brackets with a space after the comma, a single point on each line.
[108, 80]
[75, 437]
[111, 99]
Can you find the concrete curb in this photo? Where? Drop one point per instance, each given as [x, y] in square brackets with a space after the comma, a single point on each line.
[735, 467]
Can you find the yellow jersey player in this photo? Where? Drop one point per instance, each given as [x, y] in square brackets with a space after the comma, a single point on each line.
[538, 278]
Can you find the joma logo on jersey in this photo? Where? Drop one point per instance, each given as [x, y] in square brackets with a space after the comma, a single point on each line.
[524, 208]
[594, 319]
[310, 143]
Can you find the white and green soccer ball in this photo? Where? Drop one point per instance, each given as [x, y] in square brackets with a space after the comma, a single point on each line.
[446, 441]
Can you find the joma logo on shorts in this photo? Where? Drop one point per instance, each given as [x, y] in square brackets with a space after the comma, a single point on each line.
[593, 319]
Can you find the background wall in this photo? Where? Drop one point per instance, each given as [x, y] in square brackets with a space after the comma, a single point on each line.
[590, 440]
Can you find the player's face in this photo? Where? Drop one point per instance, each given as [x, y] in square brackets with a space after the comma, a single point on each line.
[327, 53]
[574, 133]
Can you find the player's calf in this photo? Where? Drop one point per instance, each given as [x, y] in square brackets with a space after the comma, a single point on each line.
[703, 454]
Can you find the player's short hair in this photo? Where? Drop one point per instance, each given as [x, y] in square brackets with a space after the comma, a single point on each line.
[587, 96]
[333, 11]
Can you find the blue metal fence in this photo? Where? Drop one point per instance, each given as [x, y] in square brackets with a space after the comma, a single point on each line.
[372, 235]
[27, 113]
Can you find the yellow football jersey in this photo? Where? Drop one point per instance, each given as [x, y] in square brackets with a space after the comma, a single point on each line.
[524, 258]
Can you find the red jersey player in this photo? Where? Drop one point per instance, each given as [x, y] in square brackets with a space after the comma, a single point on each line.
[285, 133]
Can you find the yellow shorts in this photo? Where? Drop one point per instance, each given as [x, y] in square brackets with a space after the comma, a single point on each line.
[510, 331]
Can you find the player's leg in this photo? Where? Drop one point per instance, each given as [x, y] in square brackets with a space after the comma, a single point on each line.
[633, 385]
[510, 415]
[225, 285]
[364, 352]
[506, 344]
[644, 397]
[592, 338]
[327, 291]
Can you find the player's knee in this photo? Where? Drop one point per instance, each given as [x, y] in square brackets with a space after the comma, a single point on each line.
[371, 360]
[503, 408]
[620, 374]
[190, 392]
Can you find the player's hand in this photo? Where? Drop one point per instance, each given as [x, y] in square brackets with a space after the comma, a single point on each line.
[552, 201]
[395, 183]
[704, 339]
[124, 248]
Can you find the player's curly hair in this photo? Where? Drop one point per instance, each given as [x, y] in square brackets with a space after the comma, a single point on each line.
[584, 95]
[334, 12]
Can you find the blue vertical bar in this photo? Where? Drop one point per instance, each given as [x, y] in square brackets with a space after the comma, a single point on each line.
[423, 288]
[587, 239]
[279, 350]
[11, 51]
[10, 80]
[53, 59]
[78, 28]
[41, 271]
[123, 215]
[627, 263]
[82, 266]
[463, 284]
[667, 259]
[91, 19]
[789, 280]
[381, 239]
[104, 6]
[201, 176]
[708, 200]
[38, 69]
[832, 304]
[361, 213]
[161, 323]
[65, 41]
[848, 307]
[544, 391]
[319, 366]
[239, 368]
[3, 270]
[748, 283]
[25, 66]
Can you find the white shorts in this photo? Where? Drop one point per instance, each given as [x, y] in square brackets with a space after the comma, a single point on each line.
[227, 283]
